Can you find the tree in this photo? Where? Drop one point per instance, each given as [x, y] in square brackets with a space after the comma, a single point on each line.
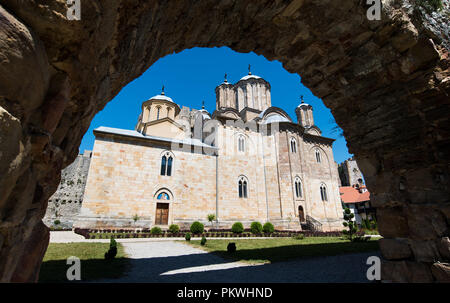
[211, 218]
[350, 224]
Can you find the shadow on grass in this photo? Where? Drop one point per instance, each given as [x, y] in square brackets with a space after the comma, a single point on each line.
[92, 269]
[288, 252]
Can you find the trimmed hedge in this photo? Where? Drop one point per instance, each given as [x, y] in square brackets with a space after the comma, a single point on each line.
[256, 228]
[237, 228]
[268, 228]
[197, 228]
[146, 233]
[156, 231]
[174, 229]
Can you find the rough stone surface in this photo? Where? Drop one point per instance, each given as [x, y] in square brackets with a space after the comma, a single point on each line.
[386, 83]
[395, 249]
[65, 204]
[441, 271]
[444, 248]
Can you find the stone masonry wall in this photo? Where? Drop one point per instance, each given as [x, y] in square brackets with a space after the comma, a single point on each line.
[65, 204]
[349, 172]
[385, 81]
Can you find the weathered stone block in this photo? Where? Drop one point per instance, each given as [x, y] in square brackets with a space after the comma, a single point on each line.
[441, 271]
[392, 222]
[444, 248]
[406, 272]
[395, 249]
[425, 251]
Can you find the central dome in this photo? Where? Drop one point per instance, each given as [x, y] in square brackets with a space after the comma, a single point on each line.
[162, 97]
[250, 77]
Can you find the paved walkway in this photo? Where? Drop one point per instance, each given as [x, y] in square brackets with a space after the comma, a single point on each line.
[164, 260]
[168, 261]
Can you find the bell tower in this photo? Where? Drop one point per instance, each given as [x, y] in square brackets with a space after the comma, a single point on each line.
[304, 114]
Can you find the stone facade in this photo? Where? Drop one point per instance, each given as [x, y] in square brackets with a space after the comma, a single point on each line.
[349, 173]
[285, 169]
[385, 81]
[65, 204]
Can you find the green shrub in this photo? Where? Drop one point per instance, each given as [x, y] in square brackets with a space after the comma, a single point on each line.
[268, 228]
[174, 229]
[56, 222]
[237, 228]
[156, 230]
[352, 228]
[187, 236]
[256, 227]
[211, 218]
[299, 237]
[231, 247]
[112, 252]
[203, 241]
[197, 227]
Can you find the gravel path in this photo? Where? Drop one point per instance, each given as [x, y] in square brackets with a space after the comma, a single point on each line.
[168, 261]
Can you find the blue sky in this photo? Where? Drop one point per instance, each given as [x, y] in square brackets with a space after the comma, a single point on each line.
[192, 75]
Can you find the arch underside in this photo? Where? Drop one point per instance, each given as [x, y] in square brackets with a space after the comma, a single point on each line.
[386, 83]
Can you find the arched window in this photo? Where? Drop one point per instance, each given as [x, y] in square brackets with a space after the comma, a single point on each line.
[293, 145]
[318, 158]
[241, 143]
[298, 187]
[169, 166]
[163, 165]
[323, 192]
[166, 164]
[158, 112]
[243, 187]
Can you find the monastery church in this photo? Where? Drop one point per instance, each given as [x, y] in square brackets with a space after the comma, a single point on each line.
[247, 161]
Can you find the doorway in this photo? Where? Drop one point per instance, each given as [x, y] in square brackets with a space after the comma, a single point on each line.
[162, 214]
[301, 214]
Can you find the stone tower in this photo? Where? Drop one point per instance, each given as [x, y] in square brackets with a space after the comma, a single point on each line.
[304, 114]
[349, 173]
[250, 91]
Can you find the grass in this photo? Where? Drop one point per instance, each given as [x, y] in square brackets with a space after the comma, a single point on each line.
[283, 249]
[93, 264]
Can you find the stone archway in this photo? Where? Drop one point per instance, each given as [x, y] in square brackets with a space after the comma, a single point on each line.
[386, 82]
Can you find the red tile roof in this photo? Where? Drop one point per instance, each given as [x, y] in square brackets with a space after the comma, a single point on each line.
[351, 194]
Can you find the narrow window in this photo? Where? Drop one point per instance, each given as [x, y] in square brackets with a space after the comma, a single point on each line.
[293, 145]
[318, 156]
[241, 144]
[169, 166]
[157, 113]
[245, 189]
[298, 188]
[163, 165]
[323, 193]
[240, 189]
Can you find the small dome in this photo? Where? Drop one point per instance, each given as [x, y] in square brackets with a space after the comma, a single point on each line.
[303, 104]
[162, 97]
[275, 119]
[250, 77]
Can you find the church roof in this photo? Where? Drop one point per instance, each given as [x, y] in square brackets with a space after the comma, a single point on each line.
[275, 118]
[136, 134]
[250, 77]
[162, 97]
[350, 194]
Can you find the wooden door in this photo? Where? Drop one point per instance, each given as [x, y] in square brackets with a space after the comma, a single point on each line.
[301, 214]
[162, 213]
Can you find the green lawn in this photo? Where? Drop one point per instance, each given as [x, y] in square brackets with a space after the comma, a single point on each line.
[93, 264]
[282, 249]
